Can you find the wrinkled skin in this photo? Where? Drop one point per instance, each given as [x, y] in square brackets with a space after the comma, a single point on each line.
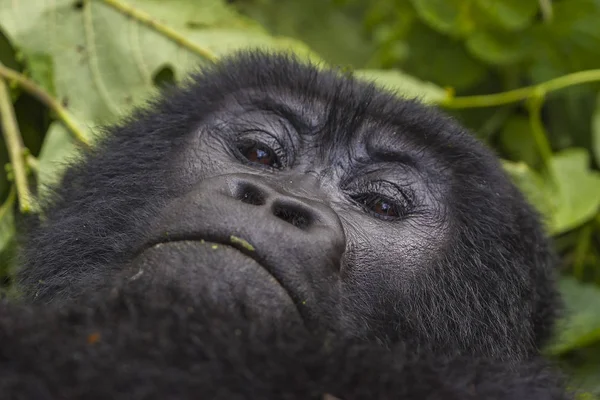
[312, 202]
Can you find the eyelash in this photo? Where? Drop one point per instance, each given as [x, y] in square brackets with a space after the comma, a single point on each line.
[383, 206]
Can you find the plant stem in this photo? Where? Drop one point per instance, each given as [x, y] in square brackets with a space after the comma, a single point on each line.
[36, 91]
[15, 148]
[536, 101]
[511, 96]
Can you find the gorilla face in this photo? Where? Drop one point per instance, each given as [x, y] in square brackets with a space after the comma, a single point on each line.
[264, 190]
[306, 199]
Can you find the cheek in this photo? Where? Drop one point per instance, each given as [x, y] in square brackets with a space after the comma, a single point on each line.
[389, 253]
[204, 156]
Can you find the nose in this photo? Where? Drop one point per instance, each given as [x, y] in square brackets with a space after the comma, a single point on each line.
[299, 209]
[288, 222]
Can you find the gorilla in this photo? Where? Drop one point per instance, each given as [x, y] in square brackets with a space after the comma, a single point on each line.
[272, 229]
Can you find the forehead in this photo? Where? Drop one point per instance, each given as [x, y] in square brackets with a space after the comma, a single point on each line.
[357, 117]
[325, 98]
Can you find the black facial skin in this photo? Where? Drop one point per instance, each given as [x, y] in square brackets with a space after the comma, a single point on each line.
[313, 200]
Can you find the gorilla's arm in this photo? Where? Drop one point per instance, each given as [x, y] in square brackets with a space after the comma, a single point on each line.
[132, 347]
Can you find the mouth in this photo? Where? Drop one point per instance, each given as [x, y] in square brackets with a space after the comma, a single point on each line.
[214, 243]
[230, 253]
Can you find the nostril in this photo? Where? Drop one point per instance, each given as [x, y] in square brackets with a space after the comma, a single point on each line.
[250, 194]
[293, 214]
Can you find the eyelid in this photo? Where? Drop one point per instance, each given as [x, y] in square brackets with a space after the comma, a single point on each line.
[392, 190]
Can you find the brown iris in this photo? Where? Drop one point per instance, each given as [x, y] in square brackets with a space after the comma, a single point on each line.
[258, 153]
[385, 208]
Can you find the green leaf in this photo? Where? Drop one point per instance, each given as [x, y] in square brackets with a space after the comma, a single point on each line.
[334, 32]
[580, 325]
[577, 189]
[403, 84]
[442, 60]
[58, 151]
[596, 131]
[41, 69]
[509, 14]
[498, 48]
[570, 42]
[104, 60]
[453, 17]
[571, 200]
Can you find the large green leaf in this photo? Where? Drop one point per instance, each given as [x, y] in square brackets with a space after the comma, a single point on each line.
[104, 60]
[577, 189]
[580, 325]
[403, 84]
[568, 201]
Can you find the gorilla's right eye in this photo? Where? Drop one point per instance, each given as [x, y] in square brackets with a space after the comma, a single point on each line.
[259, 153]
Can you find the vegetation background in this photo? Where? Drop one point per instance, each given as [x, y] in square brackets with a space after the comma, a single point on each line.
[523, 74]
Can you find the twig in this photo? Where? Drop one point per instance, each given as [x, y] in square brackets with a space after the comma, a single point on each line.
[511, 96]
[15, 147]
[36, 91]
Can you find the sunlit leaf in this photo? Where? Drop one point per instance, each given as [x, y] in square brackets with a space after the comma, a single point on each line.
[112, 57]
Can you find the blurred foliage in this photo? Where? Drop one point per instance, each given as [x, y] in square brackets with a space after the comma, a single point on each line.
[524, 75]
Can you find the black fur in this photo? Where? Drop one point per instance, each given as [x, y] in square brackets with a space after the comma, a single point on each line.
[463, 279]
[134, 347]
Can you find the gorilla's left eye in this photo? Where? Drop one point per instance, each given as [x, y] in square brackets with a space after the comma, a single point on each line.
[380, 205]
[259, 153]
